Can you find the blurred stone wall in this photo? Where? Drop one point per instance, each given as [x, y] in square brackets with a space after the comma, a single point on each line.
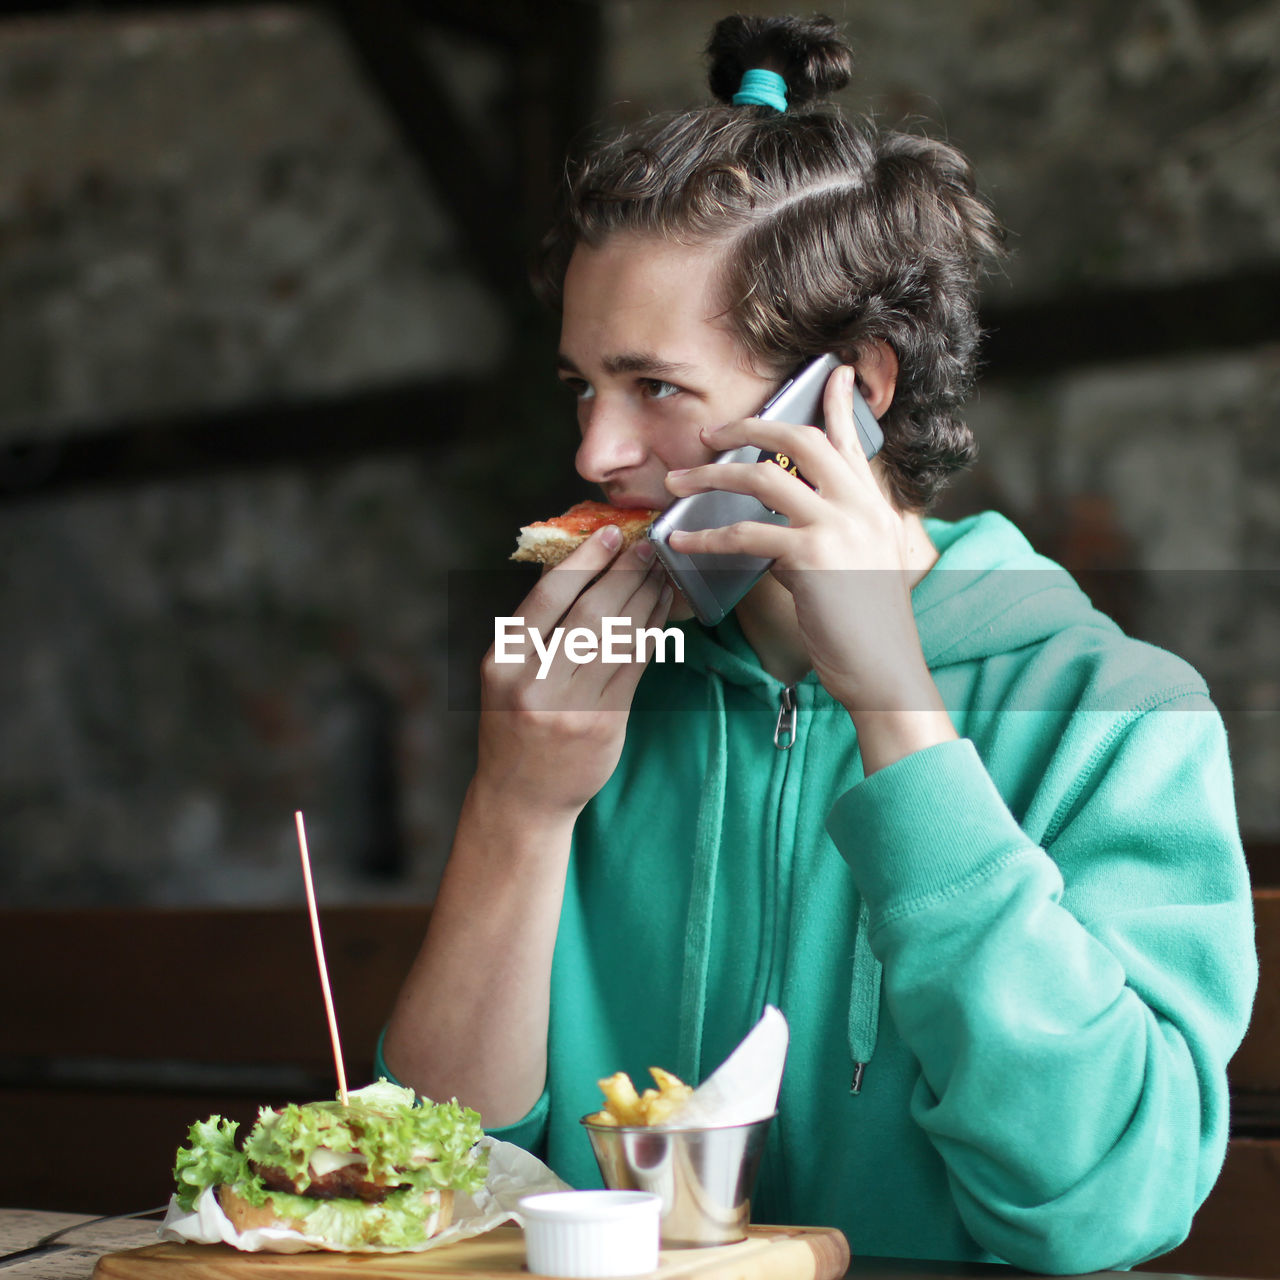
[211, 208]
[1121, 142]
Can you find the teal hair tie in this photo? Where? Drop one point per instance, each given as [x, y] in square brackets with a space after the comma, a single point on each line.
[761, 88]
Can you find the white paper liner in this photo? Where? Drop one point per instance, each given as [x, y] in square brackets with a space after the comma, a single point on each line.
[744, 1088]
[513, 1173]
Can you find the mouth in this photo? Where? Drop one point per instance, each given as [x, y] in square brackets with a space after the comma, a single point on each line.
[638, 502]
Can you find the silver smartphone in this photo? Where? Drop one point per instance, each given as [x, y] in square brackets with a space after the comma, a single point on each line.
[713, 584]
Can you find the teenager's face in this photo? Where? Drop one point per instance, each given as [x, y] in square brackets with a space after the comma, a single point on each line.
[649, 361]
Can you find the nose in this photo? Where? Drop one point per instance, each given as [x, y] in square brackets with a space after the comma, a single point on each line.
[612, 439]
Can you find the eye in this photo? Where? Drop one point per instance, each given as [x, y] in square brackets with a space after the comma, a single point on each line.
[656, 389]
[580, 387]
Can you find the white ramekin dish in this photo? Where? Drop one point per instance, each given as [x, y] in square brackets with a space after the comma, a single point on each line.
[591, 1233]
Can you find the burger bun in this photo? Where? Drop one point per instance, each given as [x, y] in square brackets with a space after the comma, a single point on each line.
[437, 1210]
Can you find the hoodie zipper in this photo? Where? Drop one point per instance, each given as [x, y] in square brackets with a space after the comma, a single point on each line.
[866, 970]
[784, 738]
[784, 733]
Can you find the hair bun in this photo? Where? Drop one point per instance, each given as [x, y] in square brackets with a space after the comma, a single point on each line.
[809, 54]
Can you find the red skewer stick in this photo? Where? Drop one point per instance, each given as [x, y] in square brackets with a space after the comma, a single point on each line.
[324, 971]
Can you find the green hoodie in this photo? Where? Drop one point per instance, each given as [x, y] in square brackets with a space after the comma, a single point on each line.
[1037, 940]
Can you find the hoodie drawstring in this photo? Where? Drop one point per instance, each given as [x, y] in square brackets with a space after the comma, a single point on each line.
[864, 1000]
[708, 834]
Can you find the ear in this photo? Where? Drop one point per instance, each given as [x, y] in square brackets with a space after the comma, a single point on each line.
[876, 365]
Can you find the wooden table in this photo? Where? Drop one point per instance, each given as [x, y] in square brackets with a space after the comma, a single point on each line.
[81, 1250]
[82, 1048]
[22, 1227]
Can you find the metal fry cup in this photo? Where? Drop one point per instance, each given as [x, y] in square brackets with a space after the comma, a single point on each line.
[704, 1176]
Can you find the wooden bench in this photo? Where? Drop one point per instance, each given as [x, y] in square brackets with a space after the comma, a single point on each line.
[119, 1028]
[126, 1026]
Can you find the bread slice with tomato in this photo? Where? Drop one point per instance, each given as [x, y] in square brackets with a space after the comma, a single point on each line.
[547, 542]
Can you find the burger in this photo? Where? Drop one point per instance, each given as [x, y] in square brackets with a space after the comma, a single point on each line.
[379, 1172]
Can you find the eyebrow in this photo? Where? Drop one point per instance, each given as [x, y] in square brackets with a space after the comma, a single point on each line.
[633, 362]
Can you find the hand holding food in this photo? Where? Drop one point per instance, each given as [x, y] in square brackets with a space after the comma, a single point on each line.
[552, 721]
[623, 1106]
[380, 1171]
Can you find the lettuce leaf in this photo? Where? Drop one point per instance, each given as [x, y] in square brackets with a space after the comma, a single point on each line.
[427, 1145]
[399, 1222]
[211, 1157]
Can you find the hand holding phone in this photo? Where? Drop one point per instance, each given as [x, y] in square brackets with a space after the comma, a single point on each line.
[713, 584]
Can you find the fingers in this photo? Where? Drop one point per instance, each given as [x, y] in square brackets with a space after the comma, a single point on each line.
[833, 462]
[801, 443]
[590, 661]
[800, 452]
[557, 589]
[627, 675]
[776, 488]
[766, 541]
[627, 589]
[576, 615]
[837, 408]
[825, 459]
[627, 592]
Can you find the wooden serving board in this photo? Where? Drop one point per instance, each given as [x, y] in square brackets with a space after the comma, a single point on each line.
[768, 1253]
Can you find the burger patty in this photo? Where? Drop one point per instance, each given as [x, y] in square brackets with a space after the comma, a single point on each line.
[349, 1182]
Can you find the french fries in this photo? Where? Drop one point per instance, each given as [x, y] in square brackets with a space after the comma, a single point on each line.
[623, 1106]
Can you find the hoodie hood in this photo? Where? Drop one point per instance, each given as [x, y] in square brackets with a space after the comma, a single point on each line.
[989, 593]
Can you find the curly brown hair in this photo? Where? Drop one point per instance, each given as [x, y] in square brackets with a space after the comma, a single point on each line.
[836, 233]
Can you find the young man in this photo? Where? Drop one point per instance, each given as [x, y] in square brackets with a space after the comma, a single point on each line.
[977, 845]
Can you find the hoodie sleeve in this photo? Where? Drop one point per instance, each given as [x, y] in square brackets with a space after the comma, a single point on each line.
[1073, 1003]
